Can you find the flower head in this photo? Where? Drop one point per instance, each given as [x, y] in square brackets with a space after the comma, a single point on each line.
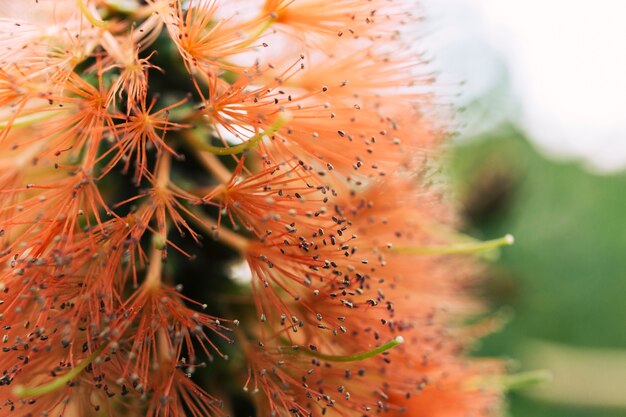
[300, 134]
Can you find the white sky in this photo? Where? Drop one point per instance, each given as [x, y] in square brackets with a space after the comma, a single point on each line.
[566, 60]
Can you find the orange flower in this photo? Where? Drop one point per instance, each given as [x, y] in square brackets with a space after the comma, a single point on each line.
[457, 393]
[352, 18]
[140, 130]
[301, 134]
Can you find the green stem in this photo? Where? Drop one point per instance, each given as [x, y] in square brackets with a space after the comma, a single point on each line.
[123, 6]
[348, 358]
[257, 34]
[233, 150]
[22, 391]
[464, 248]
[28, 120]
[87, 13]
[525, 380]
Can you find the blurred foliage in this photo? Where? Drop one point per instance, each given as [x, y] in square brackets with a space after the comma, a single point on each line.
[565, 278]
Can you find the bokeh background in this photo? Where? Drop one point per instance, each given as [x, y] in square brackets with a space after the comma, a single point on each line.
[541, 153]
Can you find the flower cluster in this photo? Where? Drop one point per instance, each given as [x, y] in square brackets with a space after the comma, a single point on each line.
[302, 135]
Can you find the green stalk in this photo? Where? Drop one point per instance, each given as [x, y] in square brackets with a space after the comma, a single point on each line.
[198, 144]
[58, 383]
[258, 33]
[525, 380]
[348, 358]
[87, 13]
[507, 383]
[123, 6]
[29, 119]
[463, 248]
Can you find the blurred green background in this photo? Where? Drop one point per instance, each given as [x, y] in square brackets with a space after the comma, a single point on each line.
[565, 277]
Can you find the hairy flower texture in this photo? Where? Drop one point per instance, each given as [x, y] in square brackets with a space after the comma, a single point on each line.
[47, 42]
[143, 144]
[353, 19]
[205, 42]
[139, 131]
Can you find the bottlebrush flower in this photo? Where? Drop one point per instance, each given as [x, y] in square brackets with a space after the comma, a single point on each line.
[302, 135]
